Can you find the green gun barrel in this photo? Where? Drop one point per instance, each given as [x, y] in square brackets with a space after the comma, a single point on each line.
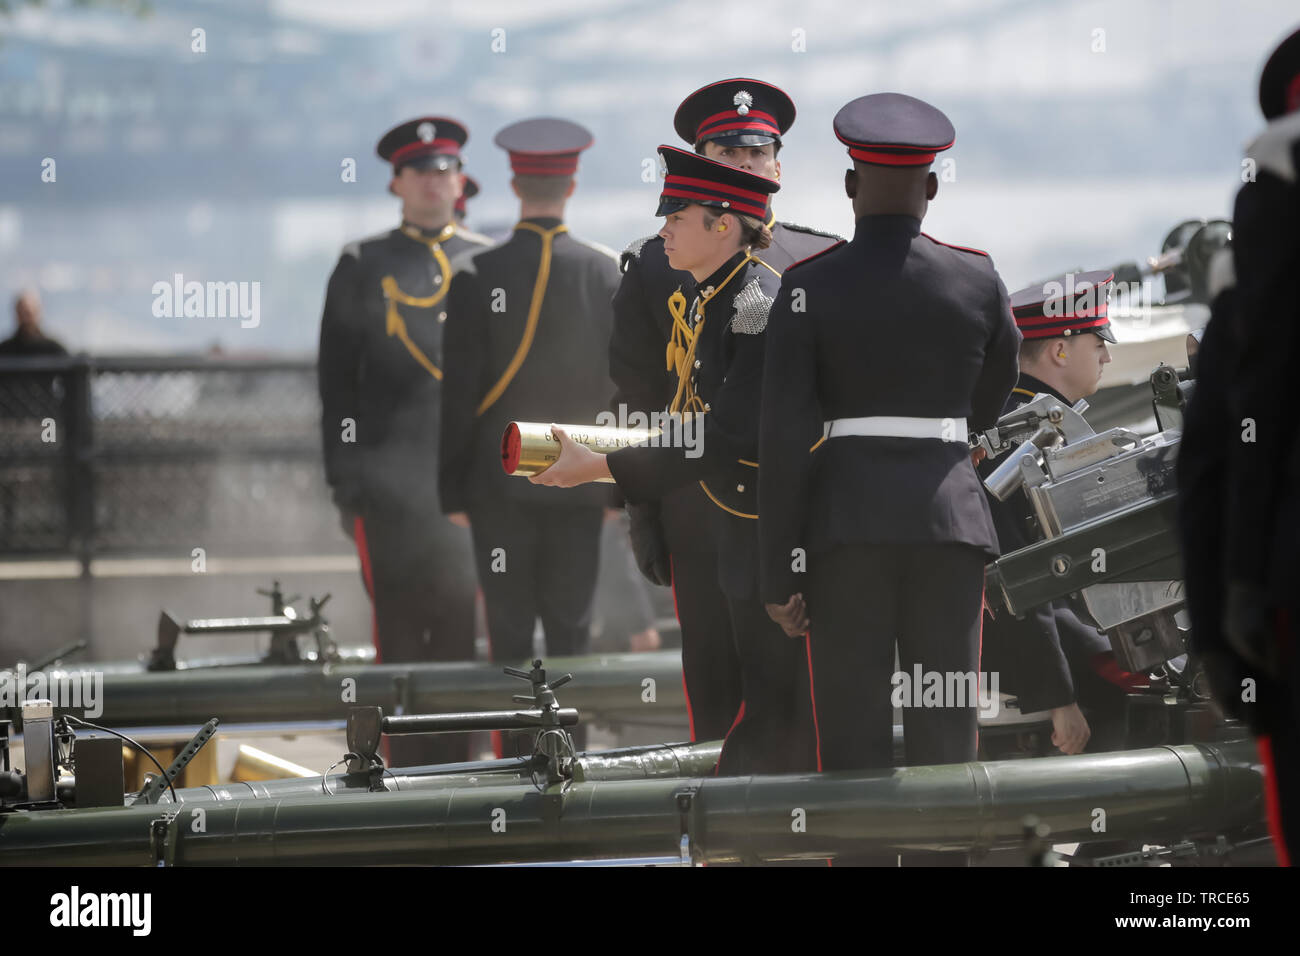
[637, 689]
[1163, 794]
[626, 763]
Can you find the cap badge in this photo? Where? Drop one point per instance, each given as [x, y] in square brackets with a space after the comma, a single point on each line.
[425, 132]
[743, 102]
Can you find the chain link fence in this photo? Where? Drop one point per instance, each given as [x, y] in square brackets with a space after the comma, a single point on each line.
[160, 456]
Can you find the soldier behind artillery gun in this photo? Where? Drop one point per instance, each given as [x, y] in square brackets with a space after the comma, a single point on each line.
[1053, 659]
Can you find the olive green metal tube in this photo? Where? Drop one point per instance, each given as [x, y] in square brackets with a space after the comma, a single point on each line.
[640, 689]
[1159, 795]
[627, 763]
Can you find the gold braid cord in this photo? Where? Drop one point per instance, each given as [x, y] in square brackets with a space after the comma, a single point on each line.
[680, 355]
[395, 325]
[534, 313]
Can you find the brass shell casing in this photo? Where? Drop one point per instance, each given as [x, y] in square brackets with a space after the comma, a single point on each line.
[529, 448]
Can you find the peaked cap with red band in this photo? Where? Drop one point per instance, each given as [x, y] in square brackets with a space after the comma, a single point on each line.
[1067, 305]
[1279, 83]
[690, 178]
[893, 129]
[429, 142]
[544, 146]
[737, 112]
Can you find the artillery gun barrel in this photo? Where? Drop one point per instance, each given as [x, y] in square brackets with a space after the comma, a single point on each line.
[641, 689]
[239, 625]
[626, 763]
[1158, 795]
[476, 720]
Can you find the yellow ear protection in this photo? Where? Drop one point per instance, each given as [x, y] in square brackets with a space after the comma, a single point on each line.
[722, 227]
[1060, 352]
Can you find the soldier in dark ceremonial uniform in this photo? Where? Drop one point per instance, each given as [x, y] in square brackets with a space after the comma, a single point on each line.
[527, 332]
[1054, 659]
[715, 218]
[381, 370]
[1239, 465]
[739, 122]
[890, 346]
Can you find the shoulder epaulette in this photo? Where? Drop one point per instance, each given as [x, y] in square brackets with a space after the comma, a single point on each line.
[795, 227]
[820, 252]
[1274, 149]
[940, 242]
[752, 307]
[633, 251]
[634, 247]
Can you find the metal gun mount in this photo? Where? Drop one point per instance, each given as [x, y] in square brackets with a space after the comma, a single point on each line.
[64, 770]
[1104, 504]
[284, 623]
[553, 751]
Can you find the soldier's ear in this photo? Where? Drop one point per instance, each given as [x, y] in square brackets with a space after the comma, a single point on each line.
[851, 183]
[931, 186]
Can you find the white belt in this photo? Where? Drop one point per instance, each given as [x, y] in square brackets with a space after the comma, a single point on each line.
[896, 426]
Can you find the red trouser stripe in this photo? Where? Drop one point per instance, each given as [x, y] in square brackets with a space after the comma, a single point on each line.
[367, 575]
[498, 742]
[812, 694]
[740, 715]
[686, 690]
[1272, 804]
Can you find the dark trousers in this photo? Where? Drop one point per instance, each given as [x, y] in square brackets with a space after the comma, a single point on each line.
[417, 572]
[537, 561]
[710, 663]
[773, 731]
[864, 599]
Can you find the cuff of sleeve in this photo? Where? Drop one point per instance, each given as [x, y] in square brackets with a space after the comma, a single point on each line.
[453, 502]
[624, 472]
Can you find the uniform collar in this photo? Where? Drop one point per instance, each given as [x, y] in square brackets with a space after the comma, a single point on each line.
[1035, 385]
[874, 226]
[546, 222]
[419, 232]
[724, 270]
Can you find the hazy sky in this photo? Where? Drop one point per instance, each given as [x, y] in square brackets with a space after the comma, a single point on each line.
[1085, 130]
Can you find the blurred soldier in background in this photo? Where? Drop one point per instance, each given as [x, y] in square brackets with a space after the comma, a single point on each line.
[381, 373]
[527, 331]
[1239, 464]
[739, 122]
